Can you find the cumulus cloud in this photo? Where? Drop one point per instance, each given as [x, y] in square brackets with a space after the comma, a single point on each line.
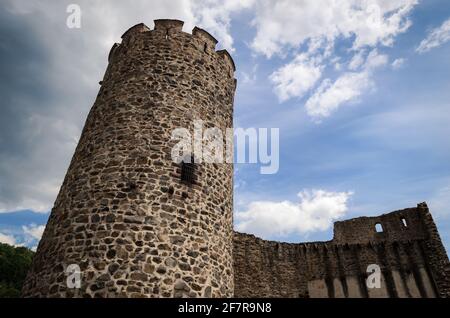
[7, 239]
[330, 95]
[310, 30]
[375, 60]
[348, 87]
[357, 60]
[27, 235]
[296, 78]
[215, 16]
[315, 211]
[435, 38]
[288, 23]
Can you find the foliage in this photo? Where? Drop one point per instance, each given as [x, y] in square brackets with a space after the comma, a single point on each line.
[14, 265]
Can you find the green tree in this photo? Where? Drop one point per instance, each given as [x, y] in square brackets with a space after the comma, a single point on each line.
[14, 265]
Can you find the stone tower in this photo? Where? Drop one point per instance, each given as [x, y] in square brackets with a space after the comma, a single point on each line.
[125, 215]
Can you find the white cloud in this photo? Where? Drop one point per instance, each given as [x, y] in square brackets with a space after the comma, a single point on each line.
[288, 23]
[7, 239]
[375, 60]
[316, 211]
[28, 235]
[329, 96]
[398, 63]
[296, 78]
[348, 87]
[435, 38]
[215, 16]
[357, 61]
[310, 30]
[33, 231]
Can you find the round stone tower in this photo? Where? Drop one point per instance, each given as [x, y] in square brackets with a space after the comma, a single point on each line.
[136, 223]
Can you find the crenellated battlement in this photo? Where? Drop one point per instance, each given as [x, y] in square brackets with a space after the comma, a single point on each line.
[135, 29]
[169, 28]
[205, 37]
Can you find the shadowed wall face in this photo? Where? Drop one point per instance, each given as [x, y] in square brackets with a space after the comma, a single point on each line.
[408, 251]
[123, 214]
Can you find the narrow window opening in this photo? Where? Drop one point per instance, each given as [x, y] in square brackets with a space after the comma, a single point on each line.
[404, 222]
[188, 170]
[205, 48]
[378, 228]
[167, 34]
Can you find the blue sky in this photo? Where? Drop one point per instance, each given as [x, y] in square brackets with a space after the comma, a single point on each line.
[359, 90]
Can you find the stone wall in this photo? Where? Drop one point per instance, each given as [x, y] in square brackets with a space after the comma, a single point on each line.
[123, 214]
[409, 252]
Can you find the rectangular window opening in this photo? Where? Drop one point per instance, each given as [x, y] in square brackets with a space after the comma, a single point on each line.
[378, 228]
[404, 222]
[188, 170]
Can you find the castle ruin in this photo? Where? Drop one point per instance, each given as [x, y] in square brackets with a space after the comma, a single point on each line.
[140, 225]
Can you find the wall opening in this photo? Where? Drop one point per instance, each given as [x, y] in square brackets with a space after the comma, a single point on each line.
[378, 228]
[404, 222]
[205, 48]
[188, 170]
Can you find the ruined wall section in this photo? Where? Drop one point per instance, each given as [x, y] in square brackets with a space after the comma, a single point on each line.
[406, 255]
[435, 252]
[402, 225]
[123, 214]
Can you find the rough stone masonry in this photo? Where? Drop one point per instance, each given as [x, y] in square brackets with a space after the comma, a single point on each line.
[140, 225]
